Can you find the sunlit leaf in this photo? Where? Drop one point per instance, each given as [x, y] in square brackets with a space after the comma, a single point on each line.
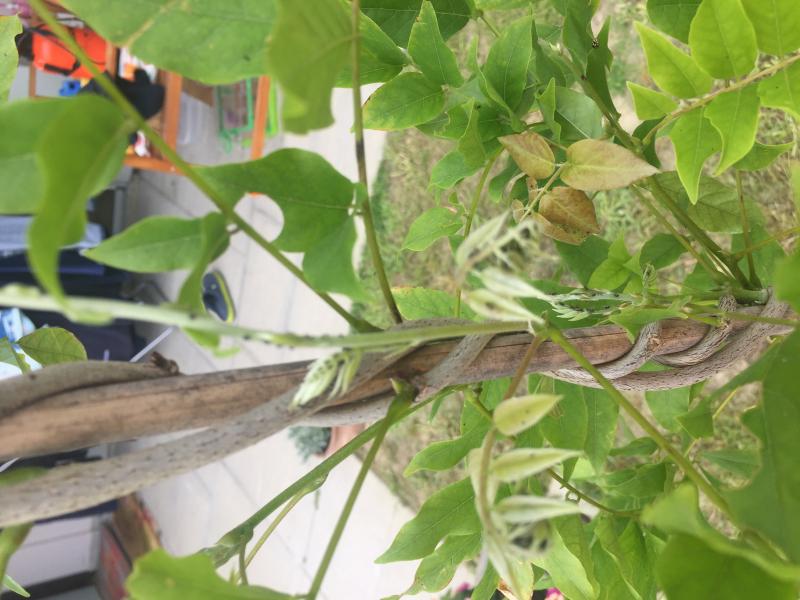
[674, 71]
[10, 27]
[517, 414]
[735, 116]
[650, 104]
[722, 39]
[782, 90]
[673, 17]
[695, 140]
[777, 25]
[52, 345]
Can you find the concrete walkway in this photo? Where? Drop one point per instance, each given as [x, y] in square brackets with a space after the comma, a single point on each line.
[194, 510]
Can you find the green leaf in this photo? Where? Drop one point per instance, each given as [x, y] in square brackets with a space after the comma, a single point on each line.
[782, 90]
[678, 513]
[214, 242]
[407, 100]
[422, 303]
[194, 38]
[440, 456]
[773, 496]
[632, 550]
[52, 345]
[309, 46]
[568, 425]
[643, 446]
[517, 414]
[602, 165]
[313, 196]
[631, 489]
[379, 57]
[777, 25]
[9, 356]
[695, 140]
[436, 571]
[577, 115]
[434, 224]
[634, 318]
[159, 576]
[577, 31]
[762, 156]
[153, 245]
[531, 153]
[650, 104]
[328, 265]
[506, 66]
[429, 51]
[766, 258]
[470, 145]
[613, 272]
[547, 104]
[674, 71]
[787, 280]
[584, 259]
[72, 173]
[739, 461]
[567, 571]
[397, 17]
[487, 585]
[15, 587]
[668, 405]
[450, 511]
[689, 570]
[717, 207]
[722, 39]
[661, 251]
[24, 124]
[10, 27]
[451, 169]
[673, 17]
[735, 116]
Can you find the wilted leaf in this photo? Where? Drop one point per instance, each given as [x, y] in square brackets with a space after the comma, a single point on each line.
[602, 165]
[570, 209]
[531, 152]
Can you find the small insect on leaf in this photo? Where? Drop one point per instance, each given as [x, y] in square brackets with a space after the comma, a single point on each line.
[531, 152]
[601, 165]
[515, 415]
[524, 462]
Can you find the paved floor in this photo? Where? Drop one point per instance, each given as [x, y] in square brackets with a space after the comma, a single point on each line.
[195, 509]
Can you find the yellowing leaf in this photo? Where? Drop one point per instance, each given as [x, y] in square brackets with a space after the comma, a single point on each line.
[674, 71]
[602, 165]
[515, 415]
[530, 509]
[531, 152]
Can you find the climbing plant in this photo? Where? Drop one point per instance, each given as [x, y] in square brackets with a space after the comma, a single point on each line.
[569, 481]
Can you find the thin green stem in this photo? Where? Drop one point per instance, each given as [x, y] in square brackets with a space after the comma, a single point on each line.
[780, 236]
[317, 475]
[702, 260]
[759, 319]
[660, 194]
[545, 188]
[714, 417]
[751, 266]
[675, 455]
[100, 310]
[588, 499]
[489, 24]
[724, 90]
[474, 209]
[405, 396]
[361, 159]
[243, 567]
[188, 171]
[272, 527]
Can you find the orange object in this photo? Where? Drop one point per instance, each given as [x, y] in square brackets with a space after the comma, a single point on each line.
[50, 55]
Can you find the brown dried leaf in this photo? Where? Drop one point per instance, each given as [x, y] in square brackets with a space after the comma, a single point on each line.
[565, 207]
